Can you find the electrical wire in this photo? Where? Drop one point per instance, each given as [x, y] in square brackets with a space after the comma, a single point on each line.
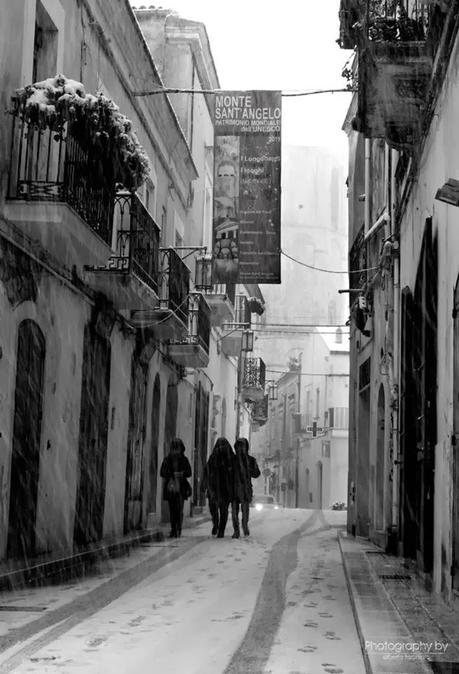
[328, 271]
[176, 90]
[310, 374]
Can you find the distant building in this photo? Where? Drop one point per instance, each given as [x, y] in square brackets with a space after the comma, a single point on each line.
[303, 441]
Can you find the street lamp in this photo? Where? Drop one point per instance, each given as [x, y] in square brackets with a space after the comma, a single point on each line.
[247, 340]
[203, 273]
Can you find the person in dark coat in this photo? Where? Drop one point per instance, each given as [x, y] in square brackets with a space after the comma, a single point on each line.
[175, 469]
[219, 483]
[245, 468]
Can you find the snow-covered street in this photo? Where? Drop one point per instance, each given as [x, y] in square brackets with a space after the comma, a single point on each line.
[274, 602]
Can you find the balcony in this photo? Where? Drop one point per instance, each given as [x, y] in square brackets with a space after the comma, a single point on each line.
[221, 304]
[394, 79]
[252, 380]
[259, 412]
[130, 278]
[62, 193]
[193, 350]
[390, 20]
[169, 320]
[400, 42]
[232, 331]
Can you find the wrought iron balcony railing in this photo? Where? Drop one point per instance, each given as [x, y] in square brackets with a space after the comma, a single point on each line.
[174, 284]
[62, 165]
[198, 321]
[192, 348]
[397, 20]
[135, 239]
[227, 289]
[391, 21]
[253, 373]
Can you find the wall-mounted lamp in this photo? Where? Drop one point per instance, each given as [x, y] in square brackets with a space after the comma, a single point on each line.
[203, 273]
[247, 340]
[449, 193]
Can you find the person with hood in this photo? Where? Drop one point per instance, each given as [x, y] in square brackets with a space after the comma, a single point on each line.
[175, 469]
[219, 484]
[245, 468]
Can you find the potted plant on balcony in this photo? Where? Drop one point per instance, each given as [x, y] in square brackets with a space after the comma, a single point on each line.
[256, 306]
[62, 105]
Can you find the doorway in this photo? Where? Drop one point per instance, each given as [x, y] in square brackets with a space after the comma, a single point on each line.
[92, 451]
[380, 461]
[170, 431]
[153, 464]
[135, 451]
[25, 459]
[320, 485]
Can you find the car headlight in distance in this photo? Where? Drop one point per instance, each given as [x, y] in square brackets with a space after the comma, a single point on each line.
[276, 507]
[258, 506]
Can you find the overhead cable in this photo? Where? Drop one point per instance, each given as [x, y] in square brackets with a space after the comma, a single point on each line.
[327, 271]
[176, 90]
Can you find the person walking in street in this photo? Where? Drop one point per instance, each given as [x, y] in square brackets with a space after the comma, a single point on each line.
[175, 469]
[219, 483]
[245, 468]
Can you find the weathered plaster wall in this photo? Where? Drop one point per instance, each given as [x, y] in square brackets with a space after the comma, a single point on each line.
[438, 163]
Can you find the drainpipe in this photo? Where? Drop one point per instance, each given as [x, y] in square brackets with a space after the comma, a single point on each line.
[367, 185]
[396, 388]
[394, 365]
[297, 459]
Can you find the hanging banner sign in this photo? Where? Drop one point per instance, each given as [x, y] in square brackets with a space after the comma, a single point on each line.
[247, 170]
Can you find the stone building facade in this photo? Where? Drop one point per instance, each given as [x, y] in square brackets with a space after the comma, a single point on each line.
[108, 345]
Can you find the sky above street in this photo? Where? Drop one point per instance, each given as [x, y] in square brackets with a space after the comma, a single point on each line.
[290, 45]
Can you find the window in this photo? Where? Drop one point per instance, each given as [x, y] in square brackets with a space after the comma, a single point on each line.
[44, 45]
[150, 198]
[163, 237]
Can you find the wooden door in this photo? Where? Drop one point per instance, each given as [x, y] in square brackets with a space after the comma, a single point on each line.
[170, 431]
[92, 454]
[201, 435]
[455, 442]
[135, 451]
[153, 464]
[25, 459]
[408, 450]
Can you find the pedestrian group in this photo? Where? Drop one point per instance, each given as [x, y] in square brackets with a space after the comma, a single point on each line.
[227, 481]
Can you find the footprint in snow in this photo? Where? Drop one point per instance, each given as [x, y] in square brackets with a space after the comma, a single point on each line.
[96, 641]
[332, 636]
[333, 670]
[311, 623]
[307, 649]
[326, 615]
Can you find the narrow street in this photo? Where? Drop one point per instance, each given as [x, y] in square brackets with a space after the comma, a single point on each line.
[275, 602]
